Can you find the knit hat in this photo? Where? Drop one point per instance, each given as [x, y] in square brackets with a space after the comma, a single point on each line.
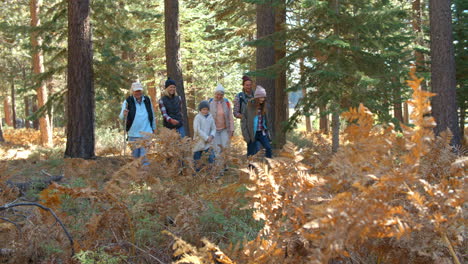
[260, 92]
[169, 82]
[136, 86]
[219, 89]
[203, 104]
[245, 78]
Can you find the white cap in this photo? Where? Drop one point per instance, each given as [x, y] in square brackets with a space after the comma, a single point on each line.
[219, 89]
[136, 86]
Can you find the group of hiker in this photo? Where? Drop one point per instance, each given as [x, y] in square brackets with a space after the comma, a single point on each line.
[213, 126]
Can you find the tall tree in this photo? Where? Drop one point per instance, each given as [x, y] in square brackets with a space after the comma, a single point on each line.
[443, 82]
[173, 64]
[281, 96]
[38, 68]
[266, 57]
[13, 102]
[7, 110]
[80, 98]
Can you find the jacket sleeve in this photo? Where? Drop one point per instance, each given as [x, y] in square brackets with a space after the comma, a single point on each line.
[236, 108]
[154, 117]
[124, 106]
[231, 118]
[197, 129]
[245, 127]
[213, 128]
[162, 108]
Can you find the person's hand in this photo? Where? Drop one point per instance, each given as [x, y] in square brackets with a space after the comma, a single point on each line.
[125, 112]
[174, 122]
[210, 139]
[232, 133]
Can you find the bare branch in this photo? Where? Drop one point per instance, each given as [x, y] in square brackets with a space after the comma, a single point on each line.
[7, 206]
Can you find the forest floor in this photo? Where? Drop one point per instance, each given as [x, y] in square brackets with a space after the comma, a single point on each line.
[188, 204]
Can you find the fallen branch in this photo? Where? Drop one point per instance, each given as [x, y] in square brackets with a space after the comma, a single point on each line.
[7, 206]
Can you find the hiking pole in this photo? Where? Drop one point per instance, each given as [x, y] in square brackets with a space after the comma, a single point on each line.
[125, 136]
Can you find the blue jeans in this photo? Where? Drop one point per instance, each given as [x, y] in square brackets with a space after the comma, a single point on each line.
[254, 147]
[138, 152]
[181, 131]
[197, 156]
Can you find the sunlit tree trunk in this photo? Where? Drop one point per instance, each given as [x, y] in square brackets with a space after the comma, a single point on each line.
[173, 63]
[443, 82]
[26, 112]
[7, 110]
[80, 96]
[323, 126]
[38, 68]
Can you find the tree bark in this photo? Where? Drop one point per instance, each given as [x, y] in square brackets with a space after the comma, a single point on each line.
[80, 98]
[173, 64]
[397, 108]
[417, 20]
[304, 92]
[281, 96]
[335, 131]
[444, 104]
[34, 109]
[323, 126]
[27, 123]
[7, 111]
[2, 139]
[266, 58]
[13, 104]
[38, 68]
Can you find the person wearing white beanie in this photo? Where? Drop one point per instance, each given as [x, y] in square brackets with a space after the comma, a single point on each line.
[221, 109]
[254, 124]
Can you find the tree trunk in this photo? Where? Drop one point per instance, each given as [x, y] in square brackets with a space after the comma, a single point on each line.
[7, 111]
[304, 92]
[2, 139]
[27, 123]
[324, 128]
[173, 64]
[397, 109]
[281, 96]
[335, 131]
[462, 121]
[13, 104]
[444, 104]
[38, 68]
[34, 109]
[191, 100]
[266, 58]
[417, 22]
[80, 98]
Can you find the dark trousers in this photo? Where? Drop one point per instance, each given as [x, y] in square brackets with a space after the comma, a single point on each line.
[254, 147]
[197, 156]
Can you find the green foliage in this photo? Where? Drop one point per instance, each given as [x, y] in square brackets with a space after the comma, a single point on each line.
[98, 257]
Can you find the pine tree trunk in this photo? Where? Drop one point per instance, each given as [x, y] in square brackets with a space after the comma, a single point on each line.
[335, 131]
[462, 121]
[304, 92]
[2, 139]
[417, 22]
[444, 104]
[397, 109]
[13, 104]
[281, 96]
[80, 99]
[324, 128]
[7, 111]
[266, 58]
[173, 63]
[27, 123]
[38, 68]
[34, 109]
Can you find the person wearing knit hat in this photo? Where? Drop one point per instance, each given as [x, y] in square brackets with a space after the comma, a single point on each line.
[204, 129]
[254, 124]
[241, 99]
[220, 108]
[137, 111]
[170, 105]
